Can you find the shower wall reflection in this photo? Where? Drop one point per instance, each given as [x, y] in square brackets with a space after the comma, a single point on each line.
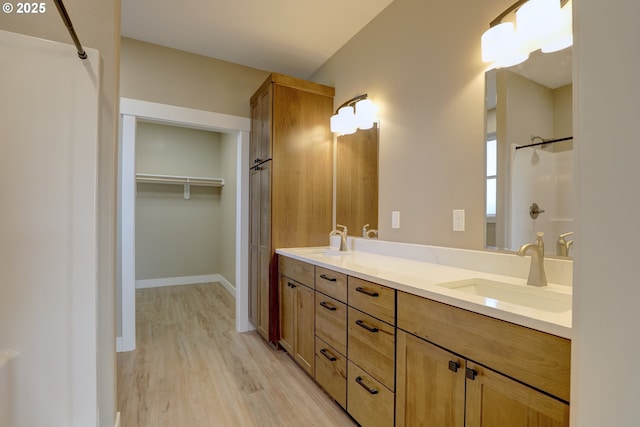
[523, 109]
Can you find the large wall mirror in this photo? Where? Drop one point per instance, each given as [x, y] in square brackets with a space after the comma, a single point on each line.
[357, 181]
[529, 161]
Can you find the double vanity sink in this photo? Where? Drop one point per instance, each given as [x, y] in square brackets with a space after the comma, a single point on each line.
[547, 308]
[405, 336]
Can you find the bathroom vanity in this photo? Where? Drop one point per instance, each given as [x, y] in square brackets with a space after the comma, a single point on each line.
[405, 342]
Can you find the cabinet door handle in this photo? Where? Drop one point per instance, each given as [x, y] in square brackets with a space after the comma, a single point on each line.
[330, 279]
[291, 285]
[453, 366]
[328, 355]
[328, 306]
[257, 160]
[471, 373]
[366, 387]
[365, 326]
[367, 292]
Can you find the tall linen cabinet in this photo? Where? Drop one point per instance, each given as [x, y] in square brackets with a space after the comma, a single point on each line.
[291, 184]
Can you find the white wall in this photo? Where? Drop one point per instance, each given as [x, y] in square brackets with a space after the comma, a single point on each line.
[49, 228]
[606, 341]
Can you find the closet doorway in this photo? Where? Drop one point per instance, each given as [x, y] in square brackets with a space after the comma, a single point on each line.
[231, 129]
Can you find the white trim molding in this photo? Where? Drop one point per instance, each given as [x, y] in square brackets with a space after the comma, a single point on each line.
[186, 280]
[133, 110]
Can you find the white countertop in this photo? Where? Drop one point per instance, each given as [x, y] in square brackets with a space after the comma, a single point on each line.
[423, 279]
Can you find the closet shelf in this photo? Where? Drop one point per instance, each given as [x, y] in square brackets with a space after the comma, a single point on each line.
[187, 181]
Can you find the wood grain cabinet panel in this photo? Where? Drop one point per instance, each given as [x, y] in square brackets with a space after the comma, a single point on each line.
[297, 322]
[377, 300]
[372, 346]
[495, 400]
[533, 357]
[331, 371]
[291, 152]
[299, 271]
[430, 389]
[331, 322]
[331, 283]
[368, 401]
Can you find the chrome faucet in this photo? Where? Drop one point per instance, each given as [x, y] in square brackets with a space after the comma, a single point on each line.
[369, 234]
[537, 276]
[343, 236]
[563, 246]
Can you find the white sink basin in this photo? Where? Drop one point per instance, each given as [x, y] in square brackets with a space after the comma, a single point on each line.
[527, 296]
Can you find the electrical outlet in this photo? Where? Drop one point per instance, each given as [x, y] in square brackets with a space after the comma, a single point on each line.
[395, 219]
[458, 220]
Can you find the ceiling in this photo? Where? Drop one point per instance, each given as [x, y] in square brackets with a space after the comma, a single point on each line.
[293, 37]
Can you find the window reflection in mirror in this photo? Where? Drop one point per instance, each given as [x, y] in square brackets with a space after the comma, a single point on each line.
[525, 105]
[357, 180]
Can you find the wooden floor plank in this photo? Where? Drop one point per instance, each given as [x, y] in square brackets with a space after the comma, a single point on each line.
[192, 369]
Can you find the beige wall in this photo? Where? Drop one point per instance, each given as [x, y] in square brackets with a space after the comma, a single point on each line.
[420, 63]
[97, 23]
[177, 237]
[168, 76]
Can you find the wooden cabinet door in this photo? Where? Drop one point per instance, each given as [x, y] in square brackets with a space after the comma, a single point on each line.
[286, 294]
[260, 144]
[266, 108]
[495, 400]
[254, 232]
[430, 389]
[304, 327]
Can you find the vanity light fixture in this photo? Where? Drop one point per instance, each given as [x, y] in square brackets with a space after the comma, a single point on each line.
[358, 112]
[540, 24]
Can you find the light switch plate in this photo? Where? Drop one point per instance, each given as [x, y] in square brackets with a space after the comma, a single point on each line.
[395, 219]
[458, 220]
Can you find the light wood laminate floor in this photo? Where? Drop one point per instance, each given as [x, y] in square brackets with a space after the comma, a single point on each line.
[192, 369]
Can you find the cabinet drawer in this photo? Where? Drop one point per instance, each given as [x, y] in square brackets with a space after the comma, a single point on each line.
[369, 402]
[376, 300]
[372, 346]
[331, 322]
[331, 283]
[533, 357]
[331, 371]
[297, 270]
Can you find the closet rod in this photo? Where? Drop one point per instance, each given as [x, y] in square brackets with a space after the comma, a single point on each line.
[551, 141]
[67, 22]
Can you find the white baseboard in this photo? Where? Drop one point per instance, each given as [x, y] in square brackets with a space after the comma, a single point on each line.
[174, 281]
[227, 285]
[117, 423]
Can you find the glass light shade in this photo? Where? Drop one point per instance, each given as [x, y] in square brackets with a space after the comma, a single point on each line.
[347, 120]
[515, 58]
[564, 35]
[365, 114]
[538, 22]
[498, 41]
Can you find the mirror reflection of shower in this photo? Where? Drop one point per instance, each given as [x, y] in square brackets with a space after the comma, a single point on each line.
[542, 186]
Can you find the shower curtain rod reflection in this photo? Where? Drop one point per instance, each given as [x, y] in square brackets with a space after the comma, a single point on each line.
[67, 22]
[550, 141]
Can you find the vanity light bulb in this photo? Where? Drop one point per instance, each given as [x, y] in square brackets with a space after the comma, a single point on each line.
[563, 37]
[365, 113]
[347, 120]
[497, 41]
[538, 22]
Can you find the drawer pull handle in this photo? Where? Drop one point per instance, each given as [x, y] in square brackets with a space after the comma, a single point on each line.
[365, 326]
[291, 285]
[328, 355]
[328, 306]
[330, 279]
[366, 387]
[453, 366]
[471, 373]
[367, 292]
